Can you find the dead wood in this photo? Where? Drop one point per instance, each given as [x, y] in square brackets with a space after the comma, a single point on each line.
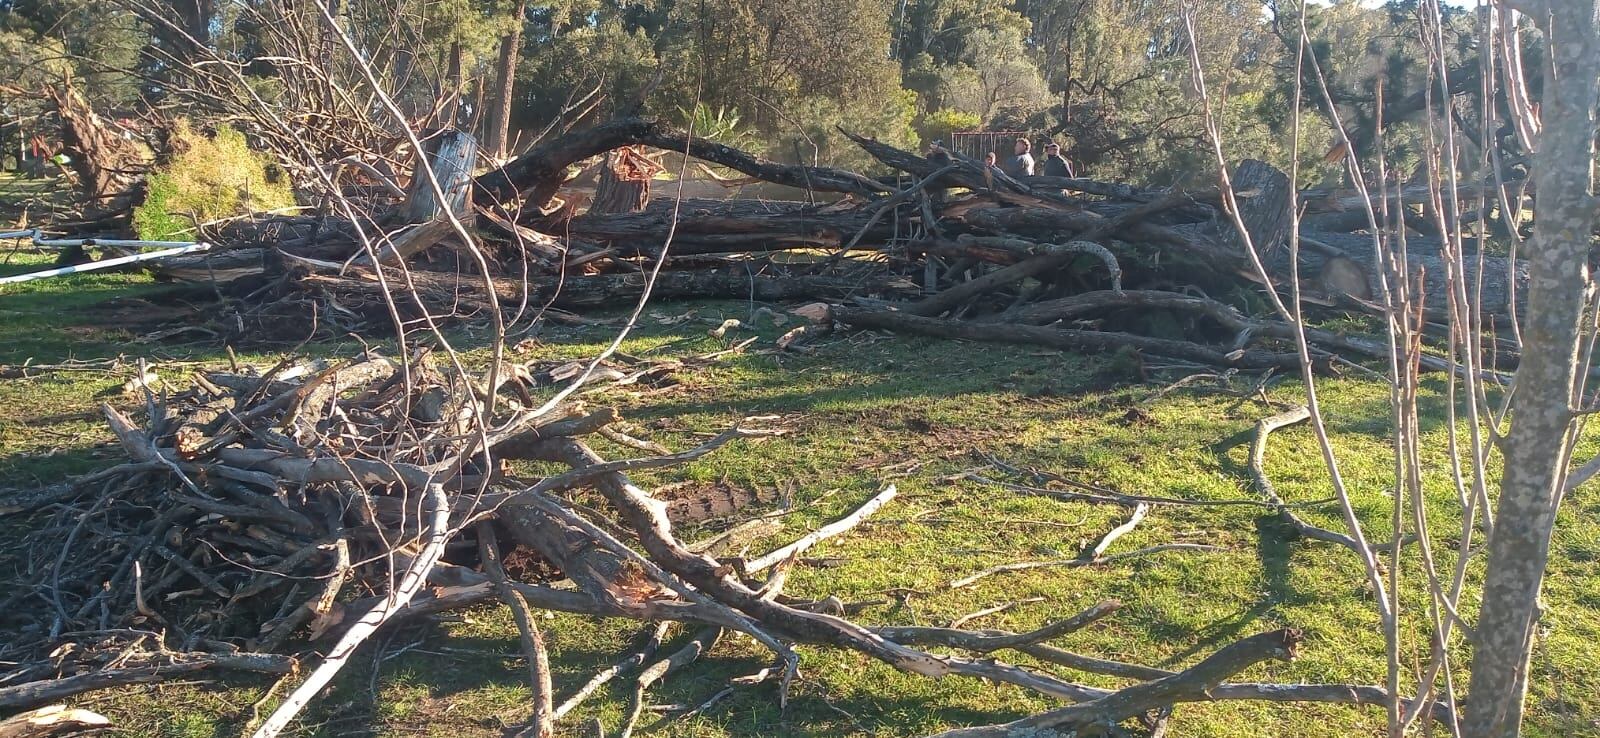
[1064, 338]
[1190, 685]
[624, 185]
[53, 720]
[541, 170]
[42, 692]
[288, 486]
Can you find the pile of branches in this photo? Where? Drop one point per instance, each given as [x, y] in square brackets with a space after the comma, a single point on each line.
[263, 517]
[946, 246]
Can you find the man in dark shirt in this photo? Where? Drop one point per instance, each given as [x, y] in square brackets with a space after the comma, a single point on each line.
[1054, 164]
[1020, 165]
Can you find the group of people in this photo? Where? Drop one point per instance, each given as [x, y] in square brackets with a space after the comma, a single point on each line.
[1022, 164]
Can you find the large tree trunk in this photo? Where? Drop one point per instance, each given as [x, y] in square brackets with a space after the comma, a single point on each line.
[453, 85]
[505, 80]
[1344, 264]
[1538, 445]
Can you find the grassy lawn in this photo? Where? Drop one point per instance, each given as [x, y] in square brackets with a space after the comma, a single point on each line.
[865, 410]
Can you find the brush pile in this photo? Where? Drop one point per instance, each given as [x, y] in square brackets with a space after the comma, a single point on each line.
[945, 246]
[261, 517]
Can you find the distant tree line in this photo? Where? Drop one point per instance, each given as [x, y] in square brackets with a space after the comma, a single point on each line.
[1107, 78]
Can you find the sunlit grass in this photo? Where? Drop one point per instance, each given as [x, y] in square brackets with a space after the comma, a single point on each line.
[862, 410]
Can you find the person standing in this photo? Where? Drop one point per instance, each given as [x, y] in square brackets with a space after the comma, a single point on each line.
[1020, 165]
[1054, 164]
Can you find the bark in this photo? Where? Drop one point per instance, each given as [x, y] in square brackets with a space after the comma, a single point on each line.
[1536, 447]
[451, 155]
[1318, 270]
[505, 82]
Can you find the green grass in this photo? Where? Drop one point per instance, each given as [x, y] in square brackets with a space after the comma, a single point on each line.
[865, 410]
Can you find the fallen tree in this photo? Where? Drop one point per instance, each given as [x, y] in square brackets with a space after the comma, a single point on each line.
[978, 245]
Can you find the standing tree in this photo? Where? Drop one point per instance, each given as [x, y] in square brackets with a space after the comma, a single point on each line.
[1538, 446]
[505, 79]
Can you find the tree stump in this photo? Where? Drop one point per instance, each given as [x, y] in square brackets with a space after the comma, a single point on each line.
[451, 153]
[624, 185]
[1262, 192]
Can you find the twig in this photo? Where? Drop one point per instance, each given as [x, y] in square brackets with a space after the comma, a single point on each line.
[1258, 472]
[969, 580]
[542, 722]
[1110, 537]
[986, 641]
[987, 611]
[824, 533]
[697, 645]
[649, 640]
[1189, 685]
[33, 694]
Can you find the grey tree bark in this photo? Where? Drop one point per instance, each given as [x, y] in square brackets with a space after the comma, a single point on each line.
[1536, 446]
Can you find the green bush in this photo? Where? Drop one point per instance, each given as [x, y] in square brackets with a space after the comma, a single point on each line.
[211, 177]
[937, 125]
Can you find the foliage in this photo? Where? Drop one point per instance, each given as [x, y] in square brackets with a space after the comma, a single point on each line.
[995, 77]
[937, 125]
[212, 177]
[722, 125]
[1107, 77]
[817, 122]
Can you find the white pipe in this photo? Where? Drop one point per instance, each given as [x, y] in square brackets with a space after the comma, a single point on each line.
[113, 242]
[57, 243]
[106, 264]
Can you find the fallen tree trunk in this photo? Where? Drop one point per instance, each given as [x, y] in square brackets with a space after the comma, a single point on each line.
[1341, 264]
[709, 227]
[1063, 338]
[535, 175]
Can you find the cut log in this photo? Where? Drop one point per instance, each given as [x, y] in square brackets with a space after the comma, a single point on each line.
[714, 226]
[581, 292]
[1349, 260]
[1262, 193]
